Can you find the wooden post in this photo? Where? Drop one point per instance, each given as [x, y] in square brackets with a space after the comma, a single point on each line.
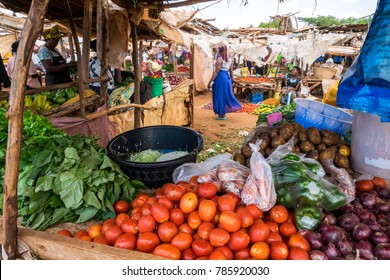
[87, 26]
[71, 49]
[137, 74]
[174, 58]
[32, 27]
[102, 43]
[192, 87]
[80, 71]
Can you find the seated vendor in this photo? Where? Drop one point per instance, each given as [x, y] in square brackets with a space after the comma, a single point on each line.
[292, 85]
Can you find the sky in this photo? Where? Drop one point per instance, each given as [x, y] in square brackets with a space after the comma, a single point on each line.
[232, 14]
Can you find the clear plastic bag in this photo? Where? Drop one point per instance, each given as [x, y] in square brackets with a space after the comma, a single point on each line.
[185, 171]
[259, 188]
[233, 176]
[343, 180]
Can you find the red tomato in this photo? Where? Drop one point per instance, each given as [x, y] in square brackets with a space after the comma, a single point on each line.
[236, 198]
[228, 253]
[95, 230]
[259, 250]
[182, 241]
[230, 221]
[272, 237]
[130, 225]
[166, 231]
[160, 213]
[278, 214]
[245, 216]
[194, 220]
[255, 211]
[175, 192]
[297, 240]
[188, 202]
[101, 240]
[188, 254]
[297, 253]
[120, 218]
[207, 210]
[121, 206]
[184, 227]
[146, 223]
[176, 216]
[364, 185]
[219, 237]
[112, 234]
[140, 200]
[80, 233]
[204, 229]
[166, 202]
[226, 203]
[217, 254]
[65, 232]
[167, 251]
[126, 241]
[239, 240]
[242, 254]
[258, 232]
[278, 250]
[202, 247]
[207, 190]
[147, 241]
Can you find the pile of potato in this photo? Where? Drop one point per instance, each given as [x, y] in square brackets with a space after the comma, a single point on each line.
[321, 145]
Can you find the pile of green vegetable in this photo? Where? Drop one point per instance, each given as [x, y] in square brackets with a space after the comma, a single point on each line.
[288, 112]
[63, 178]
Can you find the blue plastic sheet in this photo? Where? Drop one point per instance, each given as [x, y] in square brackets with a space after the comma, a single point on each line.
[366, 85]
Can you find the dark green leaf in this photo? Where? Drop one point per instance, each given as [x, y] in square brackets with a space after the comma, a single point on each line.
[87, 214]
[44, 183]
[91, 199]
[72, 192]
[38, 201]
[107, 163]
[39, 219]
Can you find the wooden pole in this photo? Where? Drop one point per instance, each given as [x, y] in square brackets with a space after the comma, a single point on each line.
[137, 74]
[102, 44]
[80, 71]
[32, 27]
[71, 49]
[87, 26]
[192, 88]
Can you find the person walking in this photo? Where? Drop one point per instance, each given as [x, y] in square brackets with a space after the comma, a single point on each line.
[222, 89]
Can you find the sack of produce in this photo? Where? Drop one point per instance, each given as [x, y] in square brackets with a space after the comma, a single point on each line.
[259, 188]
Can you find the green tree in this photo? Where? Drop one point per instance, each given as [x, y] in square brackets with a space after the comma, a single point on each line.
[271, 24]
[328, 21]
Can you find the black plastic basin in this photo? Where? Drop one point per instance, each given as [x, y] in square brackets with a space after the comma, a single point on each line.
[163, 137]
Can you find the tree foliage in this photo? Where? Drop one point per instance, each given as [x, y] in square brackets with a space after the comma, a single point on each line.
[328, 21]
[271, 24]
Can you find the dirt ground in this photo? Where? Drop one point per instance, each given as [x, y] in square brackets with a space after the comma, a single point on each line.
[221, 136]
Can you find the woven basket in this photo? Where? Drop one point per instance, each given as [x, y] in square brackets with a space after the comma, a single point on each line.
[324, 72]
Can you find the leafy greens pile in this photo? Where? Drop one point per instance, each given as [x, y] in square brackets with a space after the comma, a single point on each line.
[63, 178]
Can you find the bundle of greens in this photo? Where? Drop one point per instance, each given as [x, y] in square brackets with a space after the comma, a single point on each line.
[63, 178]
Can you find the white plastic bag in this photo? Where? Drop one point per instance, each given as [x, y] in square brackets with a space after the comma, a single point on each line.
[259, 188]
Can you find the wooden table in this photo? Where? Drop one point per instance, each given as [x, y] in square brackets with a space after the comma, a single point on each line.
[270, 87]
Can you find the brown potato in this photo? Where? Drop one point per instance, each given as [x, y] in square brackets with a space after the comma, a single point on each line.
[248, 162]
[302, 135]
[277, 141]
[341, 161]
[314, 135]
[246, 151]
[321, 147]
[266, 141]
[306, 146]
[327, 155]
[296, 150]
[239, 158]
[327, 140]
[313, 154]
[286, 131]
[262, 152]
[274, 132]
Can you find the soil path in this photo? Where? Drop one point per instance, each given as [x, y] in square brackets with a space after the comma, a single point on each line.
[222, 136]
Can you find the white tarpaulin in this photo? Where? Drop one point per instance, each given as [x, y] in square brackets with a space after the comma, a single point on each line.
[177, 18]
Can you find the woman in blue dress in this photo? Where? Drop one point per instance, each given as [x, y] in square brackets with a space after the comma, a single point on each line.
[222, 90]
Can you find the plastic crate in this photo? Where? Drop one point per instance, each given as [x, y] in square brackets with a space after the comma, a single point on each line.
[310, 113]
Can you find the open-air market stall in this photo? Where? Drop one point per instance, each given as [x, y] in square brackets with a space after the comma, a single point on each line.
[79, 16]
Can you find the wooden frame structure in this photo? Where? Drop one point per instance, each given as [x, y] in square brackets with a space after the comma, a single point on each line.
[79, 17]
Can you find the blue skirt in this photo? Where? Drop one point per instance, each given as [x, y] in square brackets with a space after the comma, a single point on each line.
[223, 97]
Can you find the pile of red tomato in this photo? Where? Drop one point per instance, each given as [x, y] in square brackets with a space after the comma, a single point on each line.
[191, 221]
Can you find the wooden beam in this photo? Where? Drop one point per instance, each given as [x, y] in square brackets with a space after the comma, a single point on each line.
[185, 3]
[32, 27]
[102, 44]
[80, 71]
[137, 73]
[52, 246]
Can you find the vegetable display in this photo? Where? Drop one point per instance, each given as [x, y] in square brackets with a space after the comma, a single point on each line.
[63, 178]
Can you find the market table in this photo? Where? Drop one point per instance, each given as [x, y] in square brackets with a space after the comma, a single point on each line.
[253, 86]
